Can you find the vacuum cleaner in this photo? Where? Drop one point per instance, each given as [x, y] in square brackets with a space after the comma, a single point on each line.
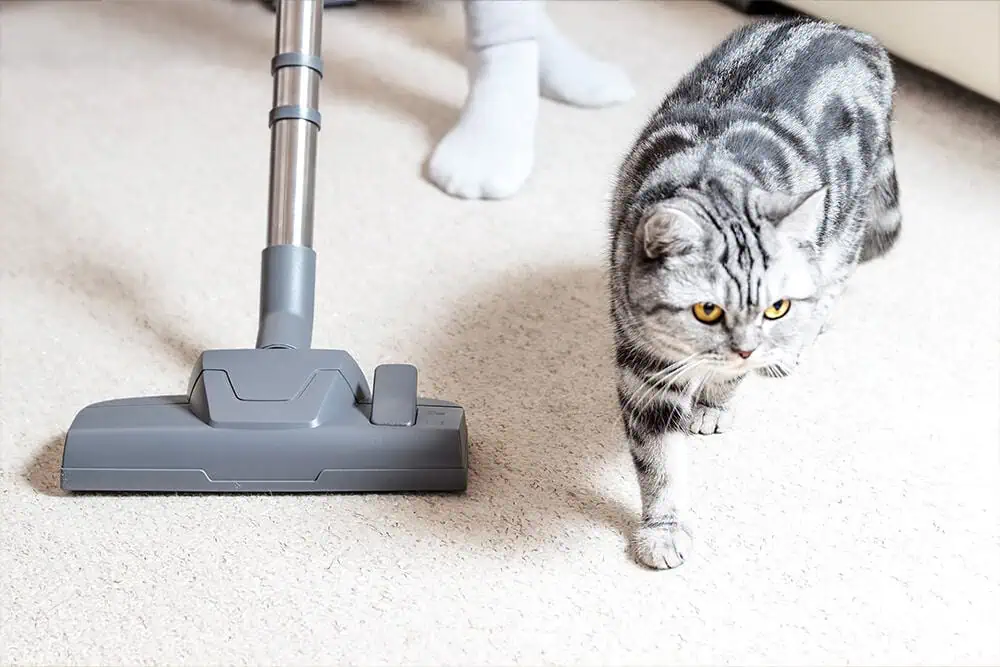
[281, 417]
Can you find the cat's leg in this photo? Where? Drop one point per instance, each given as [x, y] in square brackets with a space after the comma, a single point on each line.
[885, 220]
[712, 411]
[664, 539]
[569, 74]
[490, 151]
[659, 448]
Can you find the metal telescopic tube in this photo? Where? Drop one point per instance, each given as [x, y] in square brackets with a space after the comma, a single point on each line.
[293, 139]
[288, 262]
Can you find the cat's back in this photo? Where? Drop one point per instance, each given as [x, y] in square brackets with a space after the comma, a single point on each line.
[790, 64]
[787, 101]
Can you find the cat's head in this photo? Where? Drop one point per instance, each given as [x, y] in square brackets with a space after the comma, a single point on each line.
[732, 286]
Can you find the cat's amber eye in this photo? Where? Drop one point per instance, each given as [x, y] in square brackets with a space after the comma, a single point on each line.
[708, 313]
[778, 309]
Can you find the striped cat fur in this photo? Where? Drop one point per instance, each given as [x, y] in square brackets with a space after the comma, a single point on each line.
[742, 209]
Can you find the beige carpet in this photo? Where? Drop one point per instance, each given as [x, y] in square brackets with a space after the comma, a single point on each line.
[853, 518]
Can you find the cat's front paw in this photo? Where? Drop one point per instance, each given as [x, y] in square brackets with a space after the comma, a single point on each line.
[708, 420]
[662, 544]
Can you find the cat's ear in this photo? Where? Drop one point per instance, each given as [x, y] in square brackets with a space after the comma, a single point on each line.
[798, 215]
[667, 230]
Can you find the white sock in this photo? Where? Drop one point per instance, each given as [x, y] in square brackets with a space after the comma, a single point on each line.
[569, 75]
[490, 151]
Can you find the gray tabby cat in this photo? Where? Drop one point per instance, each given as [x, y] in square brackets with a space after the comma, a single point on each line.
[741, 211]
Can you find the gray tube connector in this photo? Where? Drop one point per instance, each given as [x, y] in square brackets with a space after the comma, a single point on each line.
[287, 295]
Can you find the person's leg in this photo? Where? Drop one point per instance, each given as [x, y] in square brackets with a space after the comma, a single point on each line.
[569, 75]
[489, 153]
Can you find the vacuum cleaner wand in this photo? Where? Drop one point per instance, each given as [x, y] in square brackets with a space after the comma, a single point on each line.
[289, 264]
[281, 417]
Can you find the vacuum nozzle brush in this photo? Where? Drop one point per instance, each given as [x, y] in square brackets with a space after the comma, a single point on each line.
[276, 421]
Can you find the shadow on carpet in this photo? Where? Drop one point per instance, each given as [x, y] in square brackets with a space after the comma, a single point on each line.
[530, 358]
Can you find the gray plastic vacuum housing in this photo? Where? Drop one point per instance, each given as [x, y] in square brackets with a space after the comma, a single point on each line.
[281, 417]
[274, 419]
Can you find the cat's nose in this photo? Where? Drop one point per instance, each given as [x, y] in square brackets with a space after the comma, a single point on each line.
[745, 354]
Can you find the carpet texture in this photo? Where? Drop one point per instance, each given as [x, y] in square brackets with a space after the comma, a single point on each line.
[852, 517]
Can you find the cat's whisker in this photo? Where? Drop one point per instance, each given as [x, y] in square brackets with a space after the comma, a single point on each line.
[662, 379]
[671, 379]
[666, 381]
[689, 392]
[650, 393]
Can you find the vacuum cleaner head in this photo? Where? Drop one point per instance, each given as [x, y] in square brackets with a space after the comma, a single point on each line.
[282, 417]
[275, 420]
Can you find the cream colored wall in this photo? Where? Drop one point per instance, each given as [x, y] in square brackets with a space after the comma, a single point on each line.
[958, 39]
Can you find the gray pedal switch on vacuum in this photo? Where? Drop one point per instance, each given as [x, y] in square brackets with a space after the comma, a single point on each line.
[394, 395]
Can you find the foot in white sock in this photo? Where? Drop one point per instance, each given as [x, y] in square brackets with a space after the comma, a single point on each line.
[570, 75]
[490, 151]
